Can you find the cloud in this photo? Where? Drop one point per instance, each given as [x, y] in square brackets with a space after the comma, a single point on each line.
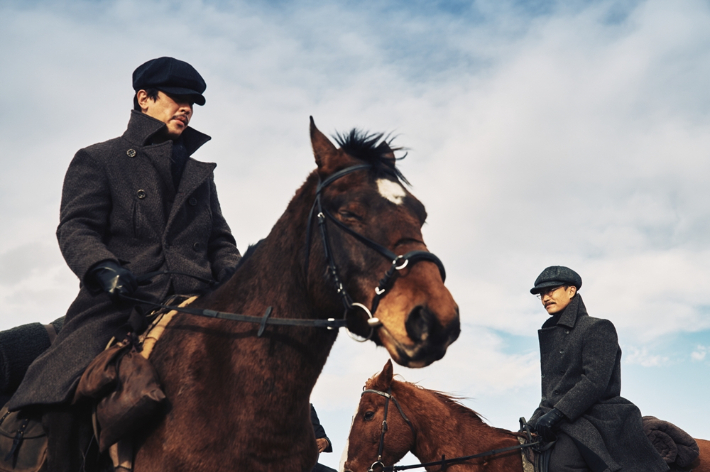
[699, 353]
[642, 357]
[540, 133]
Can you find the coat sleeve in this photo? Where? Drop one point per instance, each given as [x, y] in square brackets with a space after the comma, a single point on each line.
[84, 215]
[599, 353]
[223, 252]
[319, 430]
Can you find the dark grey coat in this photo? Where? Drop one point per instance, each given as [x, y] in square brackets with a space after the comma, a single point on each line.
[119, 203]
[580, 360]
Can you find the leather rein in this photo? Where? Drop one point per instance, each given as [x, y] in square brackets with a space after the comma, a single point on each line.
[444, 461]
[399, 262]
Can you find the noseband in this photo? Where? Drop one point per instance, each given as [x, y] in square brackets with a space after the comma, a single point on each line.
[388, 396]
[399, 262]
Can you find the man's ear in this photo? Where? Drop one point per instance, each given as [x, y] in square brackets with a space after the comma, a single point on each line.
[142, 98]
[574, 290]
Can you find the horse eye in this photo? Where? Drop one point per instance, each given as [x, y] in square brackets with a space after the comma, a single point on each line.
[349, 214]
[369, 415]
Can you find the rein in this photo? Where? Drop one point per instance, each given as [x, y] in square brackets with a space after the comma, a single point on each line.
[330, 323]
[444, 461]
[399, 262]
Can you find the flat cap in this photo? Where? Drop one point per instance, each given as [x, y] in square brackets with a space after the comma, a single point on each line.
[171, 76]
[554, 276]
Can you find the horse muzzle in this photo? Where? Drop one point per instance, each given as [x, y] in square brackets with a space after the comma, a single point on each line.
[428, 339]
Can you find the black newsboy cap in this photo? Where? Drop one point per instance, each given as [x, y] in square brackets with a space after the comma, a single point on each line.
[171, 76]
[554, 276]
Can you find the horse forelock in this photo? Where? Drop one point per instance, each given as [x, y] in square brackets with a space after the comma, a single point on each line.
[375, 149]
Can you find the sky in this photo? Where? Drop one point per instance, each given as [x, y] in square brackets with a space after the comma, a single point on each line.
[540, 133]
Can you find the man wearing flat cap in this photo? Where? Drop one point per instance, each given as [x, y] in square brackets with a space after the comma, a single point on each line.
[596, 429]
[131, 205]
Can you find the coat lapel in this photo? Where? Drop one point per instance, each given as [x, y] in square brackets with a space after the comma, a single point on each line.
[193, 176]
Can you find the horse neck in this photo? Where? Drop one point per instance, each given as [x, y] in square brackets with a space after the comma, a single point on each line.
[445, 428]
[273, 277]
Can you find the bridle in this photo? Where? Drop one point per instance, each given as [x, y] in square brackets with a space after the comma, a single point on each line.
[537, 446]
[399, 262]
[388, 396]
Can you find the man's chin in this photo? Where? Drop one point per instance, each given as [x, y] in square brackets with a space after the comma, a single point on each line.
[173, 134]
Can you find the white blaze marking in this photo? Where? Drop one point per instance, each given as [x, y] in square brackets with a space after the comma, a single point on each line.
[392, 191]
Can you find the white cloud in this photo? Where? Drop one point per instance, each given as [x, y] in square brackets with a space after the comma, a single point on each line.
[576, 134]
[643, 357]
[699, 353]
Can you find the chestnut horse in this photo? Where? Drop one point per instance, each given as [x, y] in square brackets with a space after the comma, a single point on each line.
[431, 425]
[238, 392]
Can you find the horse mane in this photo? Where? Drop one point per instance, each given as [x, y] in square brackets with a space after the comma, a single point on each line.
[455, 403]
[447, 399]
[373, 148]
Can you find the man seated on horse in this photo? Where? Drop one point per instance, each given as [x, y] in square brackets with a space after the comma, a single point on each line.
[581, 407]
[131, 205]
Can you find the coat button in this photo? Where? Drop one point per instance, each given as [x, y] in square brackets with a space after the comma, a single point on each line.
[192, 201]
[131, 153]
[562, 351]
[556, 392]
[141, 194]
[566, 331]
[543, 376]
[197, 246]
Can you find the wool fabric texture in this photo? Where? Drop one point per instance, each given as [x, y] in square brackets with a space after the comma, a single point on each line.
[119, 203]
[580, 362]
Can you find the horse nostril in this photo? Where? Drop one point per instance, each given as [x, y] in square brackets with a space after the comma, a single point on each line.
[420, 324]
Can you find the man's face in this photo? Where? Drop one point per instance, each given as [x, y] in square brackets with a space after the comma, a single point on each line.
[556, 299]
[173, 110]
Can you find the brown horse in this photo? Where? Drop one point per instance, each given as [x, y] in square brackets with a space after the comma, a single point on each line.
[432, 424]
[239, 397]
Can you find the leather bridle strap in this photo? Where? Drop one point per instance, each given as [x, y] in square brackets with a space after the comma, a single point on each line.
[388, 396]
[399, 262]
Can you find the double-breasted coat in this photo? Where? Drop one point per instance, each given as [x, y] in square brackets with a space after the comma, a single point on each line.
[119, 203]
[580, 360]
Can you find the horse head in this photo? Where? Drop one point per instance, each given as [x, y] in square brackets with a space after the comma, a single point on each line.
[379, 405]
[371, 241]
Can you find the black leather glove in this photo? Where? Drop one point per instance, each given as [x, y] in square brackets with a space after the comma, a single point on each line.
[545, 425]
[114, 280]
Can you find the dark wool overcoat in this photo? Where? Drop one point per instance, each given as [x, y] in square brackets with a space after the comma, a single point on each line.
[119, 203]
[580, 359]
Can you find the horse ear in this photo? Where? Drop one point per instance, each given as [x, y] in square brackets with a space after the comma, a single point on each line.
[323, 150]
[385, 377]
[386, 150]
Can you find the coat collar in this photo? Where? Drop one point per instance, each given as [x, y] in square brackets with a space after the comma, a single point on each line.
[142, 127]
[573, 311]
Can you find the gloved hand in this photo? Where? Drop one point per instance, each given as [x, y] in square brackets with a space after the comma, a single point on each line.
[114, 280]
[545, 425]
